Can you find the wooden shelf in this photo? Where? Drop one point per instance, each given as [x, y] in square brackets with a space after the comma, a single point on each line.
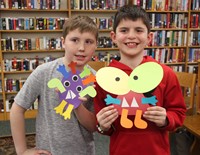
[2, 116]
[32, 51]
[29, 31]
[28, 114]
[33, 10]
[17, 72]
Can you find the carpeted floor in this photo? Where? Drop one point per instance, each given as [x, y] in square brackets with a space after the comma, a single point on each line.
[7, 144]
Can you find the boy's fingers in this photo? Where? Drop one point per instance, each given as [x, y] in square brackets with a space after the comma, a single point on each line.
[42, 152]
[83, 98]
[57, 90]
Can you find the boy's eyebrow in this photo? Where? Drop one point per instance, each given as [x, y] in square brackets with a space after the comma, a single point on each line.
[134, 28]
[140, 27]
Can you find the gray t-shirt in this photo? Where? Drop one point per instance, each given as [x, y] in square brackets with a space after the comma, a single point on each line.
[53, 133]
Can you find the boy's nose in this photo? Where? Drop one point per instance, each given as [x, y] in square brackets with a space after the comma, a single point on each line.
[131, 35]
[81, 47]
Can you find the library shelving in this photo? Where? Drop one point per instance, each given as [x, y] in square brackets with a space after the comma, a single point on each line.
[30, 32]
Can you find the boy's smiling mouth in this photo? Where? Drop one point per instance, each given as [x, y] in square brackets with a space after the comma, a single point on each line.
[131, 44]
[80, 56]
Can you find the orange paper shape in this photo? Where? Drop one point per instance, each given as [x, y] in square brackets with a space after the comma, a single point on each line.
[89, 79]
[138, 122]
[124, 121]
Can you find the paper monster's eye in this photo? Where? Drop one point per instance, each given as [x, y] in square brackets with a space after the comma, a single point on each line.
[145, 77]
[66, 83]
[113, 80]
[75, 78]
[79, 88]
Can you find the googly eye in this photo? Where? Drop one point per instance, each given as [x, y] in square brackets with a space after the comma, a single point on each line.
[117, 79]
[66, 83]
[75, 78]
[79, 88]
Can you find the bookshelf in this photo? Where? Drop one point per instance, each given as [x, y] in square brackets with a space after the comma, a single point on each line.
[175, 24]
[30, 32]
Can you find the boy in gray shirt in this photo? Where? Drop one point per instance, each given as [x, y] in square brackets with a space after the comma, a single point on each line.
[54, 134]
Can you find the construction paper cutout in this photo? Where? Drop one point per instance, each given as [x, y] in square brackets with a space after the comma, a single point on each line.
[56, 83]
[88, 91]
[73, 85]
[113, 80]
[124, 121]
[71, 88]
[63, 71]
[72, 65]
[134, 91]
[138, 122]
[134, 101]
[125, 103]
[67, 113]
[150, 100]
[85, 72]
[145, 77]
[89, 79]
[110, 100]
[59, 109]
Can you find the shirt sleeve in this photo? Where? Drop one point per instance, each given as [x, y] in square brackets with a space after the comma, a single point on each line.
[31, 89]
[173, 102]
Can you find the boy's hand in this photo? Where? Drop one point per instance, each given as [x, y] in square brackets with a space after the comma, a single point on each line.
[83, 99]
[106, 117]
[34, 151]
[157, 115]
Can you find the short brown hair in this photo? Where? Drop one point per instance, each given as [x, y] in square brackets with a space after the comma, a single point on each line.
[83, 23]
[131, 12]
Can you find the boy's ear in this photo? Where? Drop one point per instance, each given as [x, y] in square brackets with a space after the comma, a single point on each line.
[150, 36]
[63, 42]
[113, 36]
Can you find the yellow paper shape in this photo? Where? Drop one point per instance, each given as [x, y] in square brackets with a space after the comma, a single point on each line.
[59, 109]
[145, 77]
[124, 121]
[67, 113]
[113, 80]
[56, 83]
[138, 122]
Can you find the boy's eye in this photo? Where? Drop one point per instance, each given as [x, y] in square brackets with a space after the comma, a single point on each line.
[75, 40]
[89, 41]
[123, 30]
[139, 30]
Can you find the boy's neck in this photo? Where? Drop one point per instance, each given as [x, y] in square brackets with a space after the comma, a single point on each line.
[132, 62]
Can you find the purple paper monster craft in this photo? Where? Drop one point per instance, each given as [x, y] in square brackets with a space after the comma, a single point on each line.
[73, 85]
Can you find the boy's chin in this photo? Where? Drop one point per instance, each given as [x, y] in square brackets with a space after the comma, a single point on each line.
[81, 63]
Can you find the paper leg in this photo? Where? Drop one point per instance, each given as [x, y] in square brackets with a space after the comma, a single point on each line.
[138, 122]
[67, 113]
[124, 121]
[59, 109]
